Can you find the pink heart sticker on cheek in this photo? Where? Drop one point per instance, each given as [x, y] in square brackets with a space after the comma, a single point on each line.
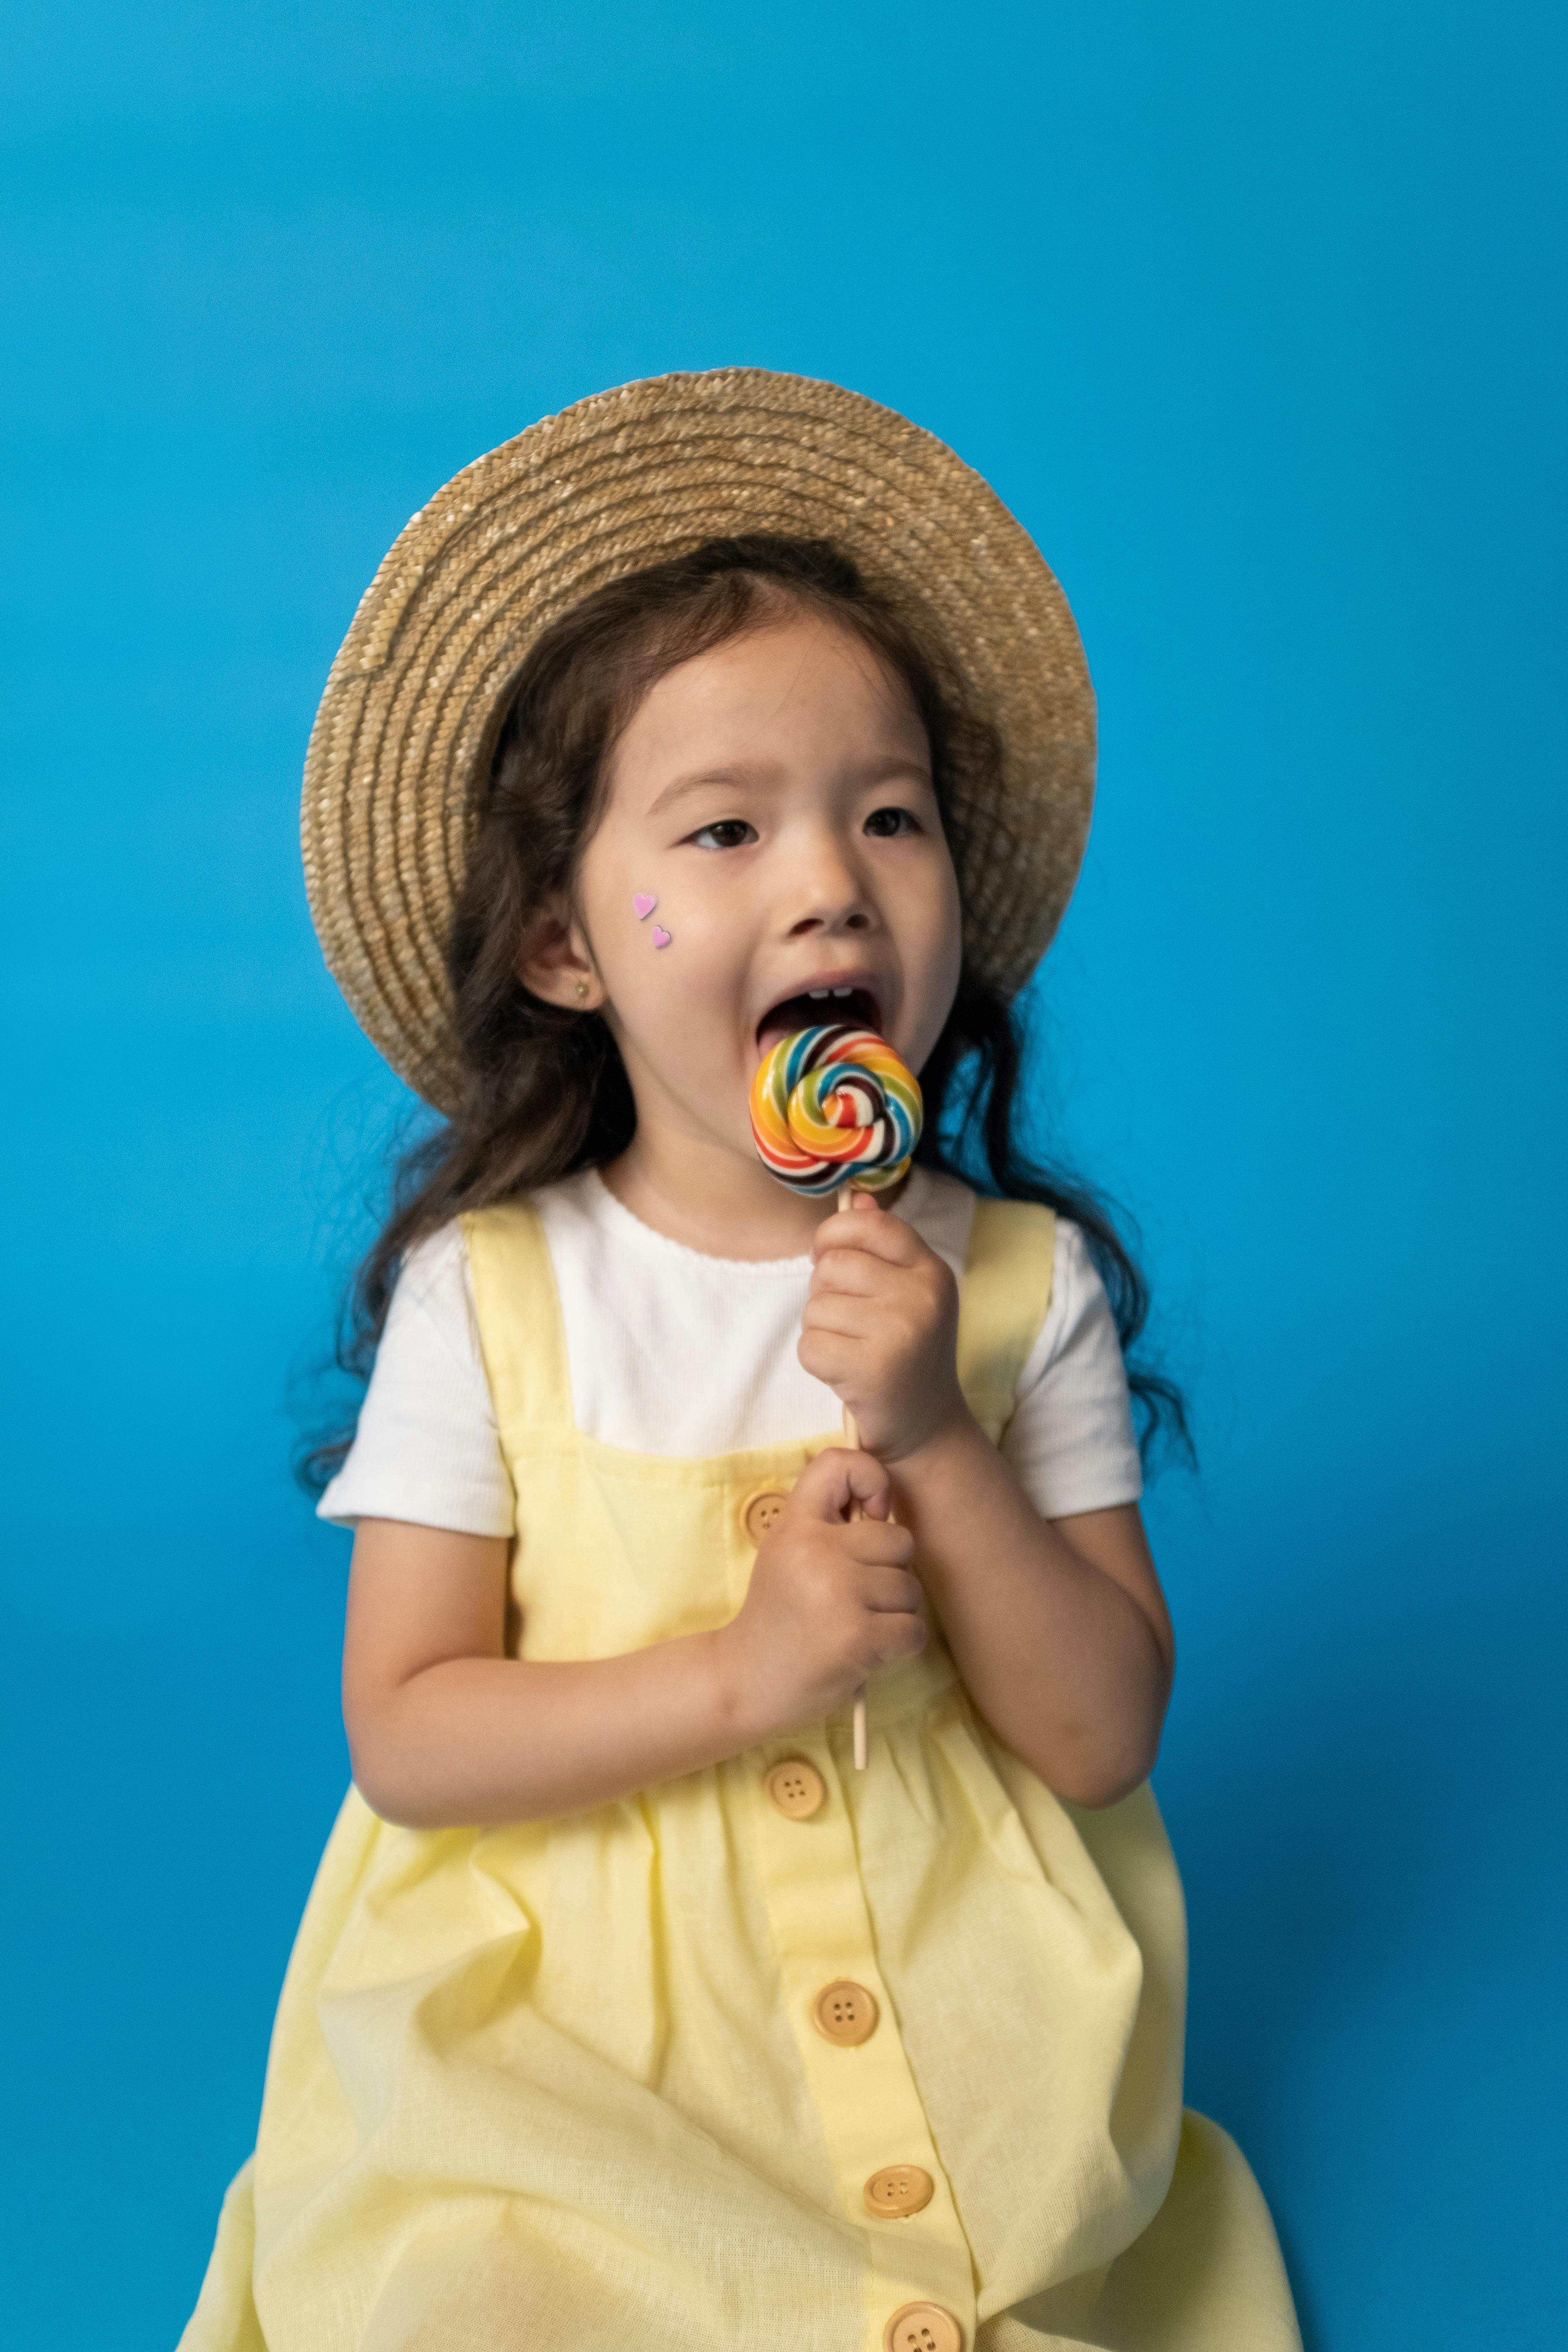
[643, 905]
[660, 936]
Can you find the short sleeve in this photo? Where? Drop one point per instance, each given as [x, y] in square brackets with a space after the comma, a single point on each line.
[427, 1447]
[1070, 1439]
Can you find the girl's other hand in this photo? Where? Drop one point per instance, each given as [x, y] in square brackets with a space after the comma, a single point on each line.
[831, 1599]
[880, 1329]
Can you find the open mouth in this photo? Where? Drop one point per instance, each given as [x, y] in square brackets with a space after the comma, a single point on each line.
[814, 1008]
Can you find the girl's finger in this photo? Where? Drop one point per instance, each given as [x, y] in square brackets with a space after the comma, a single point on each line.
[847, 1317]
[854, 1270]
[827, 1359]
[839, 1479]
[887, 1584]
[901, 1637]
[881, 1236]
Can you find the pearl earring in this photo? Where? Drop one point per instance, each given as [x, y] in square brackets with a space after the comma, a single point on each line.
[582, 990]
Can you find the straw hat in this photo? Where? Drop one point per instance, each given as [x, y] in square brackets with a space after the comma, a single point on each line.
[403, 740]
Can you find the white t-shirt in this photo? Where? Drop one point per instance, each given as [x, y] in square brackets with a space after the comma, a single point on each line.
[671, 1352]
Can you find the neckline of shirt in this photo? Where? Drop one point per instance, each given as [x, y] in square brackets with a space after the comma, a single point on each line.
[601, 1201]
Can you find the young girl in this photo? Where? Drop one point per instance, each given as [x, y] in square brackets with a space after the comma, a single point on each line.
[625, 2010]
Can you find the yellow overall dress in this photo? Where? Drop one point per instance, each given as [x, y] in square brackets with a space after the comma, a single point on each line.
[759, 2060]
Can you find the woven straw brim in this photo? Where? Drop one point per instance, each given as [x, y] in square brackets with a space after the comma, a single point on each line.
[408, 721]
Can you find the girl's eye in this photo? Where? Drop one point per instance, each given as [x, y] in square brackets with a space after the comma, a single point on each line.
[886, 823]
[728, 833]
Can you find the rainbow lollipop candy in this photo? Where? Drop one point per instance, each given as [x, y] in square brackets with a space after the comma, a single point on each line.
[833, 1107]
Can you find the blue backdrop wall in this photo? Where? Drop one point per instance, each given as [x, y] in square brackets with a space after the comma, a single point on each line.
[1254, 317]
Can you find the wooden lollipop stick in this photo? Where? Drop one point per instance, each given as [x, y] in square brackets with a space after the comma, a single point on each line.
[852, 1439]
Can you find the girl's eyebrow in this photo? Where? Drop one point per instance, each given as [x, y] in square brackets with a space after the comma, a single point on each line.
[758, 774]
[743, 775]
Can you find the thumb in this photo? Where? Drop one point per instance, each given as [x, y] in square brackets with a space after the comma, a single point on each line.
[839, 1480]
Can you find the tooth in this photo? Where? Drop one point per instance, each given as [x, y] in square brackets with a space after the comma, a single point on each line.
[844, 991]
[817, 991]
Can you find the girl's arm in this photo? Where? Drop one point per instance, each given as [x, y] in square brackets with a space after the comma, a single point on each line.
[1058, 1627]
[445, 1728]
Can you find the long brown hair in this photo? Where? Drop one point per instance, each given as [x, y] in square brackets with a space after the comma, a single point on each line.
[545, 1093]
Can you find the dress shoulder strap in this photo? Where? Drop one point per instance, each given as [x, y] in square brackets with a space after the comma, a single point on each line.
[1003, 1299]
[522, 1341]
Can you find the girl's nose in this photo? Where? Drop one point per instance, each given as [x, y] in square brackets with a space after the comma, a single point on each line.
[830, 897]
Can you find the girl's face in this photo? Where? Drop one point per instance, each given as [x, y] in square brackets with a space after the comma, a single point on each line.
[774, 798]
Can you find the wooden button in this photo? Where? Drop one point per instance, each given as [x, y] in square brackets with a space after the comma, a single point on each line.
[846, 2013]
[761, 1513]
[796, 1788]
[923, 2327]
[899, 2189]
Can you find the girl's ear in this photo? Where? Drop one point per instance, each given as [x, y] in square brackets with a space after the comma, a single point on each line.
[554, 962]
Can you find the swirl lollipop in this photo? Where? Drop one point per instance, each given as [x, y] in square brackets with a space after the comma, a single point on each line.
[835, 1107]
[834, 1110]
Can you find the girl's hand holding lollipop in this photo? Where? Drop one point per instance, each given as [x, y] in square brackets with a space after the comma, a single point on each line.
[835, 1109]
[832, 1596]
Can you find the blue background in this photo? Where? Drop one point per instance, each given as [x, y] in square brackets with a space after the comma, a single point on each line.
[1254, 317]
